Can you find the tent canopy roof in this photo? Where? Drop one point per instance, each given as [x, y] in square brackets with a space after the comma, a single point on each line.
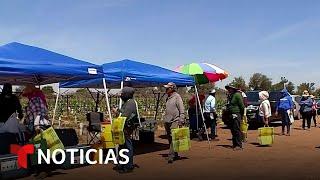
[23, 64]
[135, 74]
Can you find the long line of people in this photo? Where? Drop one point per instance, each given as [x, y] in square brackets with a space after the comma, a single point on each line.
[36, 113]
[236, 103]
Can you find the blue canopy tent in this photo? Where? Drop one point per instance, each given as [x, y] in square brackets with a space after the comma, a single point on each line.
[133, 73]
[22, 64]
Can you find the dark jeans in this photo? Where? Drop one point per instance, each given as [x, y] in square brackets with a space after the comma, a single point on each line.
[211, 122]
[285, 121]
[195, 124]
[128, 145]
[306, 116]
[235, 120]
[314, 117]
[168, 126]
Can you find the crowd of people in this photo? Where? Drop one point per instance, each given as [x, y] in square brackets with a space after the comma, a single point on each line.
[202, 115]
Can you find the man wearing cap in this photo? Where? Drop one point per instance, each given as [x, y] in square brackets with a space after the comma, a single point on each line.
[235, 107]
[174, 116]
[210, 113]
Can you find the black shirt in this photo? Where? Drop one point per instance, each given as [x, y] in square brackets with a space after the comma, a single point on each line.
[9, 104]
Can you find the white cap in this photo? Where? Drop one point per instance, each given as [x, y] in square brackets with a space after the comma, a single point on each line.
[212, 91]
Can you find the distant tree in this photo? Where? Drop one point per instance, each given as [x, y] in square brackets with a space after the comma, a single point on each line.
[279, 86]
[305, 86]
[240, 83]
[206, 88]
[317, 92]
[48, 90]
[260, 81]
[290, 87]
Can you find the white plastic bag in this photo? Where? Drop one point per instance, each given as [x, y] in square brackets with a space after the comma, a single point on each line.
[290, 114]
[40, 122]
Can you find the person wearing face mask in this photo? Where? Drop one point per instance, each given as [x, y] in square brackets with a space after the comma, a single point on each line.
[265, 108]
[174, 116]
[128, 110]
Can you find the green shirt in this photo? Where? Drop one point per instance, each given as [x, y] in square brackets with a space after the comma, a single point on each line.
[236, 104]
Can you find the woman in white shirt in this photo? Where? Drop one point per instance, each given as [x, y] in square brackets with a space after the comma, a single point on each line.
[265, 108]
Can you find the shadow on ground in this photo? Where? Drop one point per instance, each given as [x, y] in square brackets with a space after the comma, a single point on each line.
[142, 148]
[258, 145]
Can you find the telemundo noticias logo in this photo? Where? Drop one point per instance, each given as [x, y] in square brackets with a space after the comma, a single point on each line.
[77, 156]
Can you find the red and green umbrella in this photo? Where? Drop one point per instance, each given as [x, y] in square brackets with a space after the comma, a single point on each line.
[203, 72]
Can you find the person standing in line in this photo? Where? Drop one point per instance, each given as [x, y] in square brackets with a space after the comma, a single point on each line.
[235, 108]
[284, 105]
[264, 108]
[195, 117]
[174, 116]
[37, 118]
[128, 110]
[210, 114]
[306, 110]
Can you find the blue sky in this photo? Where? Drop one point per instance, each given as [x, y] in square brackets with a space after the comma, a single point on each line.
[275, 37]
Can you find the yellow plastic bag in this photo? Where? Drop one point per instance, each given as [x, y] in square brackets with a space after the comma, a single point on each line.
[181, 139]
[52, 139]
[117, 130]
[106, 136]
[244, 125]
[266, 136]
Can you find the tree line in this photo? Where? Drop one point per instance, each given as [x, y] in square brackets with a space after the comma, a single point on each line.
[259, 82]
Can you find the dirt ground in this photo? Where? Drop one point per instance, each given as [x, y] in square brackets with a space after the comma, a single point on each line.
[294, 157]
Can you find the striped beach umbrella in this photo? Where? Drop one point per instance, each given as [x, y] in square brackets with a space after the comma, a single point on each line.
[203, 72]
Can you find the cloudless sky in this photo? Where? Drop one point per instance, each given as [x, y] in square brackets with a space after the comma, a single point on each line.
[274, 37]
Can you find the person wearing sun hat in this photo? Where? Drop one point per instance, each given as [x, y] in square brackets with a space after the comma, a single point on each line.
[210, 114]
[235, 108]
[174, 116]
[314, 110]
[265, 107]
[306, 109]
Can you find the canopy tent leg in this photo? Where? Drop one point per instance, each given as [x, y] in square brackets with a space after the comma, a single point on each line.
[97, 102]
[120, 101]
[204, 124]
[107, 98]
[157, 106]
[55, 106]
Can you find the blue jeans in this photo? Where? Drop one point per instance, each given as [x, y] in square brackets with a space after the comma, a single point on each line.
[212, 123]
[285, 121]
[128, 145]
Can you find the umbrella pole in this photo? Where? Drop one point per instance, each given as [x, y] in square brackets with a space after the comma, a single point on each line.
[204, 124]
[197, 113]
[55, 106]
[107, 98]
